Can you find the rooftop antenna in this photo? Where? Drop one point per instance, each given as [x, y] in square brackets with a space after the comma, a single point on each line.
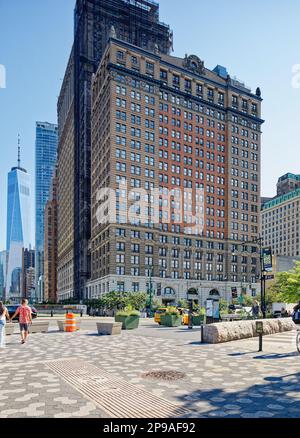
[19, 152]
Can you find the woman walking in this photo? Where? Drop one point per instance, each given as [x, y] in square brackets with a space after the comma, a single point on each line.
[3, 316]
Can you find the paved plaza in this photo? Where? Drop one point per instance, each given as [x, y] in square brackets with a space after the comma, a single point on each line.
[227, 380]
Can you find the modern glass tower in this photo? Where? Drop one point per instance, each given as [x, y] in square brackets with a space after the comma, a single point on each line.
[45, 160]
[18, 228]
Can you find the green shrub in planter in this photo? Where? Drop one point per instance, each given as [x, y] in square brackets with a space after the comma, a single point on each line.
[198, 319]
[171, 318]
[129, 318]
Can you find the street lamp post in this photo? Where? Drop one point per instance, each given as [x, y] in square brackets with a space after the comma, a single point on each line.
[259, 241]
[190, 302]
[262, 283]
[150, 292]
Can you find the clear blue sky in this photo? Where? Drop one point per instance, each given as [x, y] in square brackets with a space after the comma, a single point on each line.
[257, 41]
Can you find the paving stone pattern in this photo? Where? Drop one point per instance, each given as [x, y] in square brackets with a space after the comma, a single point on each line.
[228, 380]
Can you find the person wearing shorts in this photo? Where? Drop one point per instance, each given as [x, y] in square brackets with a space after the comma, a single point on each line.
[25, 319]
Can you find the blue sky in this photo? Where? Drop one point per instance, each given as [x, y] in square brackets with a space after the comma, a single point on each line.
[257, 41]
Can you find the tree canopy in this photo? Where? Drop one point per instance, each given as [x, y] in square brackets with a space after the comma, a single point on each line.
[287, 285]
[119, 300]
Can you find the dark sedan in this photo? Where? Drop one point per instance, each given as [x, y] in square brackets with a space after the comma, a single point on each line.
[12, 309]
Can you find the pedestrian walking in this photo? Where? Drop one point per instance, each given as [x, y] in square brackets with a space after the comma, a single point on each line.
[296, 314]
[255, 309]
[25, 319]
[4, 315]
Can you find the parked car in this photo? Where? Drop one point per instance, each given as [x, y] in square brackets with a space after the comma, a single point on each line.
[13, 307]
[158, 314]
[277, 314]
[238, 309]
[235, 308]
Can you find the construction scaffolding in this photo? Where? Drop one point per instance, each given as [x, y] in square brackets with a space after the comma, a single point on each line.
[136, 22]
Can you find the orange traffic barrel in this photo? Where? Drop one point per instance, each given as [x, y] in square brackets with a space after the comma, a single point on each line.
[70, 324]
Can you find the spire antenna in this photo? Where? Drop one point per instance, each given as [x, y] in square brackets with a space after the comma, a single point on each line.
[19, 152]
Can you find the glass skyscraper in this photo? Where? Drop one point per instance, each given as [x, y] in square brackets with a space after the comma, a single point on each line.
[45, 160]
[18, 228]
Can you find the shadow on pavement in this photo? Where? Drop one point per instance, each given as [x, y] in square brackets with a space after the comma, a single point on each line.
[276, 398]
[242, 354]
[96, 335]
[277, 356]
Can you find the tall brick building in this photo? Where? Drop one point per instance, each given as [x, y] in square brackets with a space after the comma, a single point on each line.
[50, 244]
[95, 21]
[169, 123]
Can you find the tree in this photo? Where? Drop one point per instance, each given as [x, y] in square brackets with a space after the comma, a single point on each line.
[94, 303]
[272, 296]
[287, 285]
[223, 305]
[248, 300]
[136, 299]
[114, 300]
[155, 303]
[183, 304]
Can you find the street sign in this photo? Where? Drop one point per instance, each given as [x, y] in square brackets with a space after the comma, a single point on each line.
[260, 331]
[267, 265]
[209, 308]
[234, 292]
[269, 277]
[216, 309]
[259, 327]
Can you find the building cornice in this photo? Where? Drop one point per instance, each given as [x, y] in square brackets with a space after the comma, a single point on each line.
[204, 78]
[197, 99]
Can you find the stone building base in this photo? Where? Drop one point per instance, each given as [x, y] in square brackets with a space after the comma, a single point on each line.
[170, 291]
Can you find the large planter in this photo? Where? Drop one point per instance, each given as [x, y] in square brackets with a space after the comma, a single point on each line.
[109, 328]
[171, 320]
[128, 322]
[198, 319]
[39, 327]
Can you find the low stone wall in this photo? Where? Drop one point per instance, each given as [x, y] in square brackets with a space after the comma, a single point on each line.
[233, 331]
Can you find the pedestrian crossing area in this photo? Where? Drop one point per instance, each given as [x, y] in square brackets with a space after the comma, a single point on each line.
[284, 337]
[278, 341]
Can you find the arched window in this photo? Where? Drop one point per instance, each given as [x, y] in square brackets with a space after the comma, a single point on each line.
[214, 293]
[193, 291]
[169, 291]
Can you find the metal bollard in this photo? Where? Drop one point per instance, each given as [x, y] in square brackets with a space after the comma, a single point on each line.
[202, 334]
[260, 331]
